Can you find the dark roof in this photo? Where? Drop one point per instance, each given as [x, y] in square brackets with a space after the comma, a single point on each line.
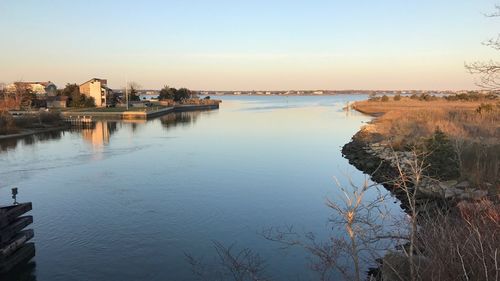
[93, 79]
[45, 84]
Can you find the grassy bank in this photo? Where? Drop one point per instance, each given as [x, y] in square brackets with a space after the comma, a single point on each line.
[31, 122]
[447, 147]
[472, 126]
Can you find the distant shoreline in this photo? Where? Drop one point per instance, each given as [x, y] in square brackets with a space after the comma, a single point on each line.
[336, 93]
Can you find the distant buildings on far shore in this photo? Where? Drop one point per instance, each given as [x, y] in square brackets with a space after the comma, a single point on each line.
[336, 92]
[47, 94]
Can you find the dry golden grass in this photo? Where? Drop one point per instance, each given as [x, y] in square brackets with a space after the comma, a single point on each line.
[475, 134]
[380, 107]
[407, 120]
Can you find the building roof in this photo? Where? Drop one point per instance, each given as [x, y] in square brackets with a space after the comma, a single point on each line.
[103, 81]
[43, 83]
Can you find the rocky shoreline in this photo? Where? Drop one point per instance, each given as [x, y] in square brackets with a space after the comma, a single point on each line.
[370, 154]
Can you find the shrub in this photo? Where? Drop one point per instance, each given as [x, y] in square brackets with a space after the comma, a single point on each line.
[427, 97]
[384, 98]
[441, 157]
[485, 108]
[167, 93]
[182, 94]
[461, 246]
[397, 97]
[80, 100]
[7, 123]
[472, 96]
[50, 117]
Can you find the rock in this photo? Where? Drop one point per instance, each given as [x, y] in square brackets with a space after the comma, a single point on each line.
[479, 194]
[473, 194]
[369, 164]
[452, 192]
[436, 188]
[396, 264]
[448, 184]
[463, 185]
[431, 190]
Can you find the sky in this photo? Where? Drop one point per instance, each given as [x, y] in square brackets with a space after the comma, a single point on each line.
[247, 45]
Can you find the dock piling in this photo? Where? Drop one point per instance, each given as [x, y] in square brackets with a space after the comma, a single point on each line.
[14, 245]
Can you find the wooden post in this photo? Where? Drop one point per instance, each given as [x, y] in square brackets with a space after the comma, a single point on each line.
[14, 248]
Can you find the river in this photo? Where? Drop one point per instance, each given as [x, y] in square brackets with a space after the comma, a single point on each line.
[127, 200]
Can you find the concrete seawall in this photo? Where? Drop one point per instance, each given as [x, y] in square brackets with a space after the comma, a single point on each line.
[185, 108]
[143, 115]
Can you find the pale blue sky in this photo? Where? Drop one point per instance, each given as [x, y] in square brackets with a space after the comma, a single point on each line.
[386, 44]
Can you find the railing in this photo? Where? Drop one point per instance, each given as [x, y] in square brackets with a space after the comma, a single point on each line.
[80, 121]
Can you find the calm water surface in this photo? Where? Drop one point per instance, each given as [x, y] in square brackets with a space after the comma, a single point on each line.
[127, 200]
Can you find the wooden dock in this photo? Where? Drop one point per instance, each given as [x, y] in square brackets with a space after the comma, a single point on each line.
[80, 121]
[14, 245]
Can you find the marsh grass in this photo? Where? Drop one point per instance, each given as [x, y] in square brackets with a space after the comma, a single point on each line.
[472, 125]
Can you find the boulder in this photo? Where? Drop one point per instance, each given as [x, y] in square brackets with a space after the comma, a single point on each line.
[452, 192]
[396, 265]
[431, 190]
[463, 185]
[479, 194]
[448, 184]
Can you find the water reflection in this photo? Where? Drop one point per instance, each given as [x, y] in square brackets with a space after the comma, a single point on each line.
[23, 272]
[8, 144]
[180, 118]
[100, 134]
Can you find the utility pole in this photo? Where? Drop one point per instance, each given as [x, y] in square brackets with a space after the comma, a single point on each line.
[126, 93]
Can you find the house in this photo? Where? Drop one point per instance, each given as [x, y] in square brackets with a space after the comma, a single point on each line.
[57, 102]
[40, 89]
[98, 89]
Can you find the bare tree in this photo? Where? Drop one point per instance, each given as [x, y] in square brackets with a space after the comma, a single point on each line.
[361, 234]
[489, 71]
[235, 265]
[410, 179]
